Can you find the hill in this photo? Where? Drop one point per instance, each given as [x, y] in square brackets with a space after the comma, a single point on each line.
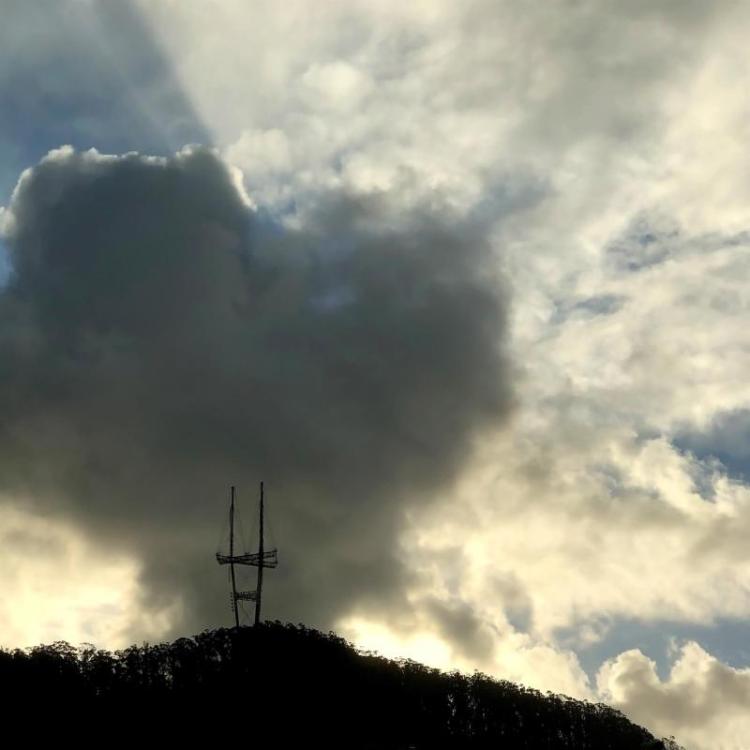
[291, 686]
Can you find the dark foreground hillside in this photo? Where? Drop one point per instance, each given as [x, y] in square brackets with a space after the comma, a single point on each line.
[290, 686]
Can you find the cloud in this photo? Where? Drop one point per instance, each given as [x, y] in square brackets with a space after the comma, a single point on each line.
[593, 526]
[58, 582]
[597, 151]
[703, 702]
[89, 74]
[161, 340]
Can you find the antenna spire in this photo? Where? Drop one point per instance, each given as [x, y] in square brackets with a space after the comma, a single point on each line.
[231, 558]
[261, 559]
[259, 587]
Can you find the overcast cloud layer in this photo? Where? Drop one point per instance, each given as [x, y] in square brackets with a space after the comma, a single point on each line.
[444, 209]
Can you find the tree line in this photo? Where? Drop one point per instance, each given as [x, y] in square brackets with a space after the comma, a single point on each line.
[282, 683]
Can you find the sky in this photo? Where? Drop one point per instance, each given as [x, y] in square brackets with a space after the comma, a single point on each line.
[464, 283]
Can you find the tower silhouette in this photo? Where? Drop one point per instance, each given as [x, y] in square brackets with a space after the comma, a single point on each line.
[261, 559]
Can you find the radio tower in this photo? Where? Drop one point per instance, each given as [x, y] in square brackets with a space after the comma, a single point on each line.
[261, 559]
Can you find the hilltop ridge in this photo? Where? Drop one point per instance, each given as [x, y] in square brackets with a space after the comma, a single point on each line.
[285, 683]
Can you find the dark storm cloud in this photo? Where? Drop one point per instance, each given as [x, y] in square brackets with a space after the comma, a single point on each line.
[160, 340]
[461, 627]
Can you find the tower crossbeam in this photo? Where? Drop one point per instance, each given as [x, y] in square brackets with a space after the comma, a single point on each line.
[270, 559]
[247, 596]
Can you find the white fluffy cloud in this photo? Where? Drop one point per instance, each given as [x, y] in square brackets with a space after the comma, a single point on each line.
[702, 701]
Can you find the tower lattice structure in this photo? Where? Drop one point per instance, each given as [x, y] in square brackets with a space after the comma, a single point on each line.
[261, 559]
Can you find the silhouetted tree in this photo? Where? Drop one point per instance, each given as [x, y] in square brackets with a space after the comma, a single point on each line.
[285, 684]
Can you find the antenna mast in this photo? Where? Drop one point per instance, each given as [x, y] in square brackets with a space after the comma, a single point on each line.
[231, 558]
[261, 559]
[259, 587]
